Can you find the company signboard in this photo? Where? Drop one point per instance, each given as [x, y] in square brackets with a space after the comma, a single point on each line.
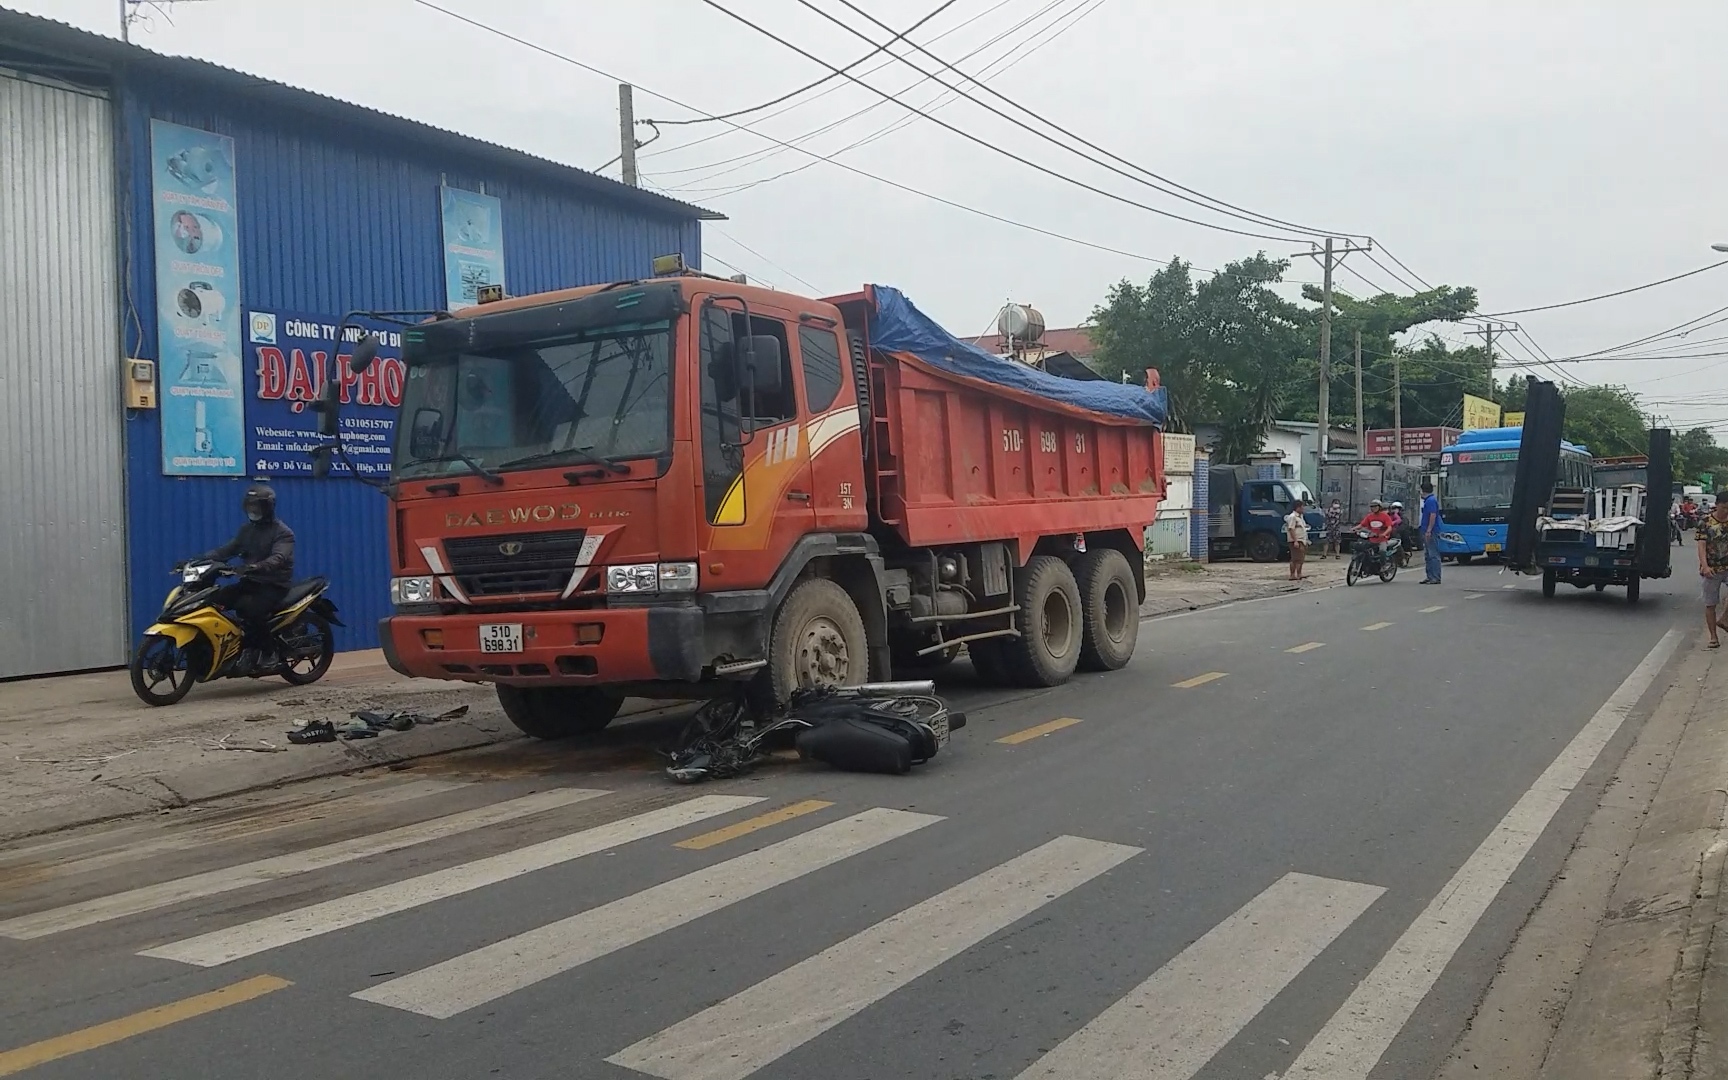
[1480, 413]
[1418, 440]
[201, 409]
[290, 355]
[473, 245]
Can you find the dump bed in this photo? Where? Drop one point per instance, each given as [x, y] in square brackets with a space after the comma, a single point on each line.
[963, 446]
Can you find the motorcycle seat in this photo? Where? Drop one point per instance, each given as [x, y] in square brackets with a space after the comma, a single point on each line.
[300, 590]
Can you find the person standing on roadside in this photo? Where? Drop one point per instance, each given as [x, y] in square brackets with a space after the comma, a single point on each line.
[1296, 532]
[1430, 534]
[1334, 525]
[1713, 563]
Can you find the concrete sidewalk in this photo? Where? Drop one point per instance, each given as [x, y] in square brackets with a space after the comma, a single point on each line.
[83, 748]
[1622, 971]
[1187, 586]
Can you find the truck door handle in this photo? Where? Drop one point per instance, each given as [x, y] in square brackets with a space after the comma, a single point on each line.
[798, 496]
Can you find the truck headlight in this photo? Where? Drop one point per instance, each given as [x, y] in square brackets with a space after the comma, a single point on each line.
[677, 577]
[410, 590]
[634, 578]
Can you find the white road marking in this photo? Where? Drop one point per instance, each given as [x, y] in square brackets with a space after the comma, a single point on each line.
[1475, 595]
[487, 974]
[196, 834]
[776, 1016]
[274, 931]
[214, 882]
[1356, 1037]
[1514, 585]
[1432, 608]
[1171, 1025]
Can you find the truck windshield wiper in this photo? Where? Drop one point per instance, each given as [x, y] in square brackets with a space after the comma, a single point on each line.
[478, 469]
[584, 454]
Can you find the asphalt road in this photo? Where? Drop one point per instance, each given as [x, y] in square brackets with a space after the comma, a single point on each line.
[1237, 858]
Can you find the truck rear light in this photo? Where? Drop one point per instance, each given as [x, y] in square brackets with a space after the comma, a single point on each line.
[434, 639]
[590, 633]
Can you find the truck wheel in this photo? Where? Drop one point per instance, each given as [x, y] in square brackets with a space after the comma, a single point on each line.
[1548, 584]
[1048, 648]
[558, 712]
[1632, 590]
[1110, 619]
[1262, 547]
[818, 640]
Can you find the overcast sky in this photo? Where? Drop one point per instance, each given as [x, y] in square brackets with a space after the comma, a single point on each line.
[1539, 151]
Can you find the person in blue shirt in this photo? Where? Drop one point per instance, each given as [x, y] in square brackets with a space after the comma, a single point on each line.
[1430, 534]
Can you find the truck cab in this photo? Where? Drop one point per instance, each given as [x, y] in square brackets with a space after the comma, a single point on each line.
[1248, 514]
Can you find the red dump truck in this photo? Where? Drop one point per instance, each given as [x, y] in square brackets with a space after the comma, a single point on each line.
[660, 487]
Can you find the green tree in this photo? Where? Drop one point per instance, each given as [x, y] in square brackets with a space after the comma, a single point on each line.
[1696, 453]
[1606, 419]
[1154, 326]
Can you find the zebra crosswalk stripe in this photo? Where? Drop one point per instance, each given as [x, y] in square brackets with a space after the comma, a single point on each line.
[1171, 1025]
[214, 882]
[776, 1016]
[274, 931]
[484, 975]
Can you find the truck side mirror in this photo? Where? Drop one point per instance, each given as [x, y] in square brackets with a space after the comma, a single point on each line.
[364, 354]
[766, 372]
[326, 405]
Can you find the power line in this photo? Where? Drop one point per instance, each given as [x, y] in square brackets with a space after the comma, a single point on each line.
[1605, 296]
[1209, 202]
[898, 35]
[987, 144]
[761, 135]
[1650, 338]
[1007, 61]
[767, 260]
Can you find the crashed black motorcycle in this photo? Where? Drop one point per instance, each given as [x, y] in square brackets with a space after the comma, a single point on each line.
[1372, 560]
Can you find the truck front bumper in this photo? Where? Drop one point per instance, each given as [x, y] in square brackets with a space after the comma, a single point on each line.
[669, 642]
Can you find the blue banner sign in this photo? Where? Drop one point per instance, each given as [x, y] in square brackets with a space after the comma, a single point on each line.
[473, 245]
[290, 355]
[197, 302]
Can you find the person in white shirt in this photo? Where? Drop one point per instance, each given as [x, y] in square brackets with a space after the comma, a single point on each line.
[1296, 532]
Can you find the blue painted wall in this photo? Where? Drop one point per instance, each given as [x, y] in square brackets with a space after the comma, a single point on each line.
[333, 218]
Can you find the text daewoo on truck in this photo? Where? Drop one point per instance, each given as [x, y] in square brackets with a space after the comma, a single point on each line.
[660, 487]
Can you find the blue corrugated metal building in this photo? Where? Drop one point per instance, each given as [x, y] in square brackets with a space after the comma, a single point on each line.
[337, 208]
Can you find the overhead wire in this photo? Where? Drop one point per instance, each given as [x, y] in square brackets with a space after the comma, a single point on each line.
[993, 147]
[1605, 296]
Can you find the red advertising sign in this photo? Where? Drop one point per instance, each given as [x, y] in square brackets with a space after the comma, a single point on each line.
[1419, 440]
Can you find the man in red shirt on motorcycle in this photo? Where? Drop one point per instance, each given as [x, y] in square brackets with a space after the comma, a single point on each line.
[1378, 523]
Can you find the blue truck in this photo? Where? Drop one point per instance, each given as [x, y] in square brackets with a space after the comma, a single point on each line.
[1248, 512]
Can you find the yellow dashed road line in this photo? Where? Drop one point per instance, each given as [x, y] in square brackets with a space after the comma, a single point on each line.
[1039, 731]
[750, 825]
[1308, 647]
[1201, 680]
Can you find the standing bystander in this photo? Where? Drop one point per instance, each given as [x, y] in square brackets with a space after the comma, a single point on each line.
[1334, 525]
[1713, 562]
[1430, 534]
[1296, 532]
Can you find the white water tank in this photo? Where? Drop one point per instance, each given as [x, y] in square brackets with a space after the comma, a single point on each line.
[1022, 322]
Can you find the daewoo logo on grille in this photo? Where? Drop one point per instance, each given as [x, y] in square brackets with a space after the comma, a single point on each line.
[514, 515]
[510, 547]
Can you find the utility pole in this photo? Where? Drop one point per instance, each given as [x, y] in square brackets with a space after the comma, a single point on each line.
[627, 134]
[1397, 406]
[1489, 329]
[125, 23]
[1361, 443]
[1331, 255]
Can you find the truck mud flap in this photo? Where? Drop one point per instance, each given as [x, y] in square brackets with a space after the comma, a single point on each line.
[676, 642]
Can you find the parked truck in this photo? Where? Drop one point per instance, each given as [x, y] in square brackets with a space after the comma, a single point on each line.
[1357, 483]
[670, 486]
[1247, 513]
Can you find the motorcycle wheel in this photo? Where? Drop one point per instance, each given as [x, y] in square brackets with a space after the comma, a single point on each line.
[156, 662]
[1388, 570]
[305, 666]
[1353, 572]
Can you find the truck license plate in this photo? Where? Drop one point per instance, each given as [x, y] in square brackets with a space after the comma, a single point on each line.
[500, 637]
[1490, 547]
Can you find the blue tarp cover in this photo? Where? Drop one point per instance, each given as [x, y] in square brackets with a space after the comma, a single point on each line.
[897, 326]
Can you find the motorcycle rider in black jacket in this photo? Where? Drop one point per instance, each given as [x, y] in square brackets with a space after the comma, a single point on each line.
[266, 546]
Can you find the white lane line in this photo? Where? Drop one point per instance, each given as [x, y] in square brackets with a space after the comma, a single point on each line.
[1356, 1037]
[1171, 1025]
[262, 823]
[164, 894]
[1514, 585]
[1475, 595]
[776, 1016]
[274, 931]
[487, 974]
[1432, 608]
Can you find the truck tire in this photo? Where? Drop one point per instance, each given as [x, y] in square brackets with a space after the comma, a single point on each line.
[1632, 590]
[1262, 547]
[989, 661]
[1109, 616]
[1548, 583]
[558, 712]
[1048, 648]
[818, 640]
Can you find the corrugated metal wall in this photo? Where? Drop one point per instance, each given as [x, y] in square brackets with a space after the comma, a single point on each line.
[62, 504]
[331, 219]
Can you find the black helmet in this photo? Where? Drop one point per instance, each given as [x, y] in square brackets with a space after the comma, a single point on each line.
[259, 499]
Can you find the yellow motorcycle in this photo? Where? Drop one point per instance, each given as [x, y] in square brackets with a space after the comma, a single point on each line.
[195, 640]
